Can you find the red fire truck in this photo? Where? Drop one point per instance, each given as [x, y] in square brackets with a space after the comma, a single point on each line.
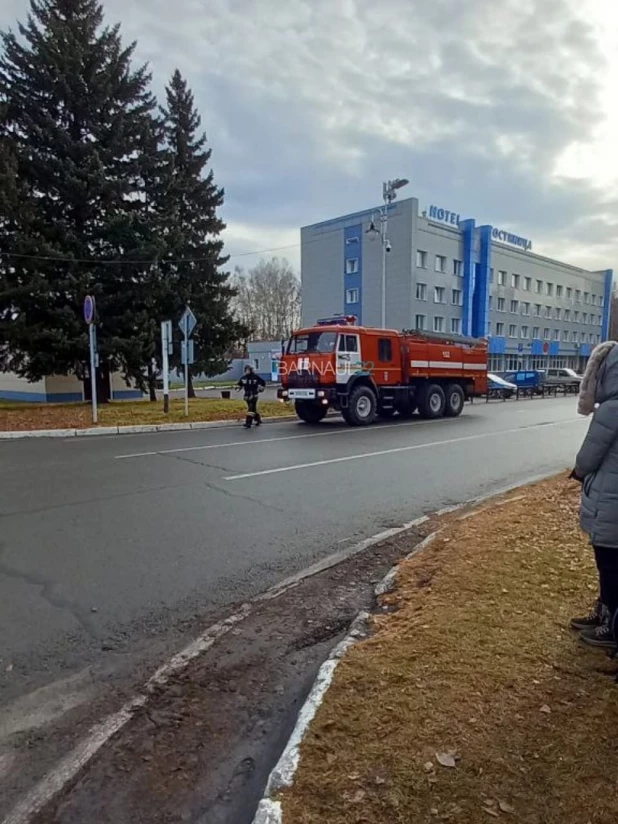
[367, 373]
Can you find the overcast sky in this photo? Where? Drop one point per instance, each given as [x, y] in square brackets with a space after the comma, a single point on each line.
[502, 110]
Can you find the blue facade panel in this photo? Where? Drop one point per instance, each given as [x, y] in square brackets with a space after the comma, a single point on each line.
[353, 271]
[584, 350]
[480, 310]
[536, 347]
[497, 346]
[607, 303]
[468, 228]
[554, 347]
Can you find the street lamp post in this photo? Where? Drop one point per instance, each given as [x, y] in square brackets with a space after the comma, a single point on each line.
[389, 193]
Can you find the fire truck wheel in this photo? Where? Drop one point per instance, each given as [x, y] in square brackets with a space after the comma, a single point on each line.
[362, 407]
[310, 412]
[432, 402]
[455, 400]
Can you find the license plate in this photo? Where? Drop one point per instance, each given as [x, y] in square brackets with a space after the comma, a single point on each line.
[302, 394]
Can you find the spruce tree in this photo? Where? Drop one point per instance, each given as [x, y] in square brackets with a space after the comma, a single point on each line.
[76, 138]
[191, 229]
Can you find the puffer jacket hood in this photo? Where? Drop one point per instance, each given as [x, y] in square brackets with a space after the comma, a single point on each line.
[600, 380]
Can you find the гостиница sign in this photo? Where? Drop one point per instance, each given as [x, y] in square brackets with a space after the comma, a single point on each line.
[499, 235]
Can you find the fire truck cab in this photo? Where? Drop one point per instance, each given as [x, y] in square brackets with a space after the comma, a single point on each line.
[366, 373]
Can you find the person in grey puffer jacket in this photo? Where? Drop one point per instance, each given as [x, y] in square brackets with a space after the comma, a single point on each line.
[596, 467]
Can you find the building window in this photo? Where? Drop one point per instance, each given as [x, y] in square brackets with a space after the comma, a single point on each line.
[501, 277]
[546, 334]
[421, 291]
[438, 324]
[539, 286]
[527, 284]
[557, 313]
[512, 331]
[524, 332]
[575, 316]
[500, 329]
[456, 326]
[550, 289]
[457, 297]
[556, 334]
[490, 302]
[351, 295]
[559, 291]
[491, 275]
[420, 321]
[582, 336]
[565, 335]
[501, 307]
[351, 266]
[584, 317]
[569, 293]
[574, 337]
[567, 315]
[385, 350]
[586, 297]
[548, 311]
[421, 259]
[515, 281]
[440, 263]
[601, 301]
[525, 309]
[256, 364]
[535, 333]
[578, 295]
[514, 307]
[439, 294]
[458, 268]
[537, 310]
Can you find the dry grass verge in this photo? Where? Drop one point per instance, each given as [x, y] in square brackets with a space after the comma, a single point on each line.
[22, 416]
[473, 700]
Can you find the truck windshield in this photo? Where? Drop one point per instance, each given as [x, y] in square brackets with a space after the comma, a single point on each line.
[320, 342]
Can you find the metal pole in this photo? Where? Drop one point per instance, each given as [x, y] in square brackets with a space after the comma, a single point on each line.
[93, 371]
[166, 367]
[186, 364]
[384, 243]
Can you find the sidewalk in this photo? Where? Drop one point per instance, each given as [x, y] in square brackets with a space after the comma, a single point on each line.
[472, 700]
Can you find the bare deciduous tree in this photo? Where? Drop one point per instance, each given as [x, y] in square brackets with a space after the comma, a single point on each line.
[268, 299]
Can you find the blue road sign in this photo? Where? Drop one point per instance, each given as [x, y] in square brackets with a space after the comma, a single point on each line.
[191, 352]
[89, 309]
[187, 322]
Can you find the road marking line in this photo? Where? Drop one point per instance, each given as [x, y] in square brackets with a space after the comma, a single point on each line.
[341, 431]
[71, 764]
[394, 451]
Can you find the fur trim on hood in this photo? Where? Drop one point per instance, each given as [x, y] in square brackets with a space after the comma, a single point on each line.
[588, 388]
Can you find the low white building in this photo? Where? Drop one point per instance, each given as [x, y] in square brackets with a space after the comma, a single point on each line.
[58, 389]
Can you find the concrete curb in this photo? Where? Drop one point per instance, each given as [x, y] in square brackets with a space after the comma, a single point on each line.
[130, 430]
[269, 810]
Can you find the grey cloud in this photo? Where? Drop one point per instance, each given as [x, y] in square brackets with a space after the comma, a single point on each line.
[310, 104]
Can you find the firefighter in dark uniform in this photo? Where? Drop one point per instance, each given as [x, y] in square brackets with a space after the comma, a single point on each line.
[253, 385]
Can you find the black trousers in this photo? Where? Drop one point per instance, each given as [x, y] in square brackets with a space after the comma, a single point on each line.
[252, 410]
[607, 564]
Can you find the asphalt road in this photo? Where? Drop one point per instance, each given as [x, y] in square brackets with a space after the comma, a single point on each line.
[105, 541]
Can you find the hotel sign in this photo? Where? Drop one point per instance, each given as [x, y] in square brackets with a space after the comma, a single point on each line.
[499, 235]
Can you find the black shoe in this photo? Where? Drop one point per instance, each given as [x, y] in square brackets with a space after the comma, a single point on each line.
[601, 636]
[258, 421]
[590, 621]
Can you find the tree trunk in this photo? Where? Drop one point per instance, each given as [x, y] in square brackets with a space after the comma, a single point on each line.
[103, 385]
[152, 382]
[191, 387]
